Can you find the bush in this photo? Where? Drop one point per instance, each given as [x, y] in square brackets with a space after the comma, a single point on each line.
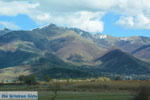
[117, 78]
[21, 78]
[30, 80]
[48, 78]
[144, 94]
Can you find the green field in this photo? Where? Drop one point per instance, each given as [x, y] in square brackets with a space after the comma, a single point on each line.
[84, 90]
[46, 95]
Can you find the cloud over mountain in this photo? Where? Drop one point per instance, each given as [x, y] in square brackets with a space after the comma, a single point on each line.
[83, 14]
[9, 25]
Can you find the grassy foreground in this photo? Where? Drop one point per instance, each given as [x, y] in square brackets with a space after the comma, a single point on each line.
[68, 95]
[83, 90]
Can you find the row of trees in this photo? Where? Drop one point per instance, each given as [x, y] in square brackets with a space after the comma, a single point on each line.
[31, 80]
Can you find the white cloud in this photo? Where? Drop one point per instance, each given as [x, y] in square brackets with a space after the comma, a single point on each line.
[16, 7]
[142, 22]
[127, 7]
[125, 22]
[9, 25]
[138, 22]
[84, 14]
[40, 17]
[132, 12]
[87, 21]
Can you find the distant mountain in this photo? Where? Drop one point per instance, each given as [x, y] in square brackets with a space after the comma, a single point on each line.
[4, 31]
[67, 43]
[142, 52]
[128, 44]
[66, 51]
[120, 62]
[63, 42]
[82, 33]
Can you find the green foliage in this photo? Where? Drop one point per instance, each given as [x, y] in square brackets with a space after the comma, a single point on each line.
[30, 80]
[48, 78]
[117, 78]
[63, 73]
[21, 78]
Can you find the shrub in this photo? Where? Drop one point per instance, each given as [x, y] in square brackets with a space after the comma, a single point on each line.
[117, 78]
[21, 78]
[144, 94]
[30, 80]
[48, 78]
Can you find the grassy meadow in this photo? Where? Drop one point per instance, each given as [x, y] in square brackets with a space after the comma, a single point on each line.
[82, 90]
[69, 95]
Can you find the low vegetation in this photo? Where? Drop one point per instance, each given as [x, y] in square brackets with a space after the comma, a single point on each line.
[101, 88]
[144, 93]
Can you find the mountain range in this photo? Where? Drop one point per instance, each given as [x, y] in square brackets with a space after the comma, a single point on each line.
[70, 53]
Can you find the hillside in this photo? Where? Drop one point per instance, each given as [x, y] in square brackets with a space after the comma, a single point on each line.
[142, 52]
[117, 61]
[4, 31]
[71, 52]
[63, 42]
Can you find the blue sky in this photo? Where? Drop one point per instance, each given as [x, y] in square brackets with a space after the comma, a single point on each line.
[23, 21]
[117, 18]
[111, 28]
